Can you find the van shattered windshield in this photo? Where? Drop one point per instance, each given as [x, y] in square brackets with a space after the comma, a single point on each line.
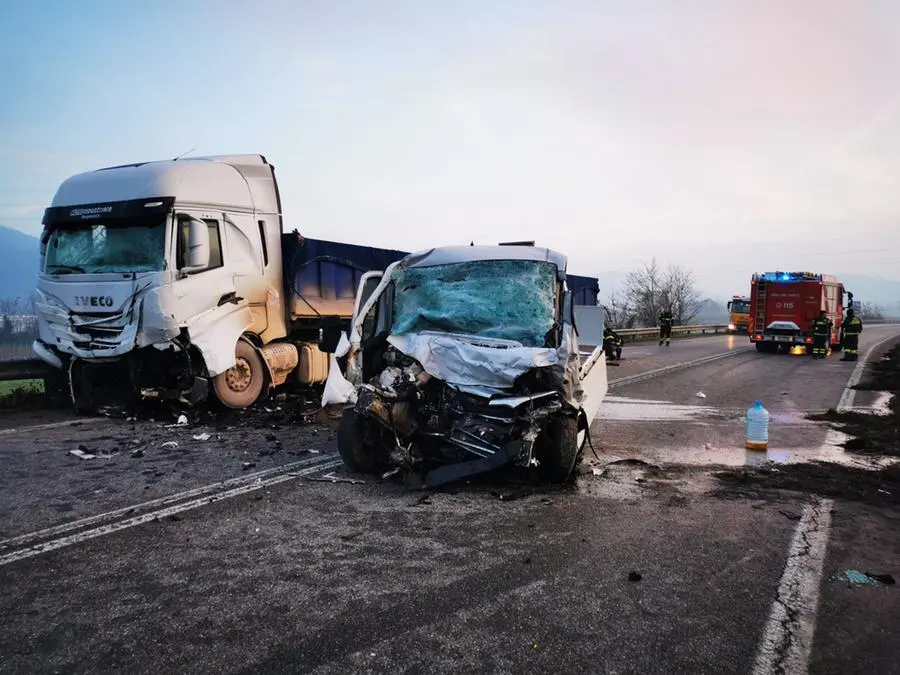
[503, 299]
[86, 248]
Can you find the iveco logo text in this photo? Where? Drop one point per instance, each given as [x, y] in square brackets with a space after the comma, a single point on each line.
[90, 213]
[93, 301]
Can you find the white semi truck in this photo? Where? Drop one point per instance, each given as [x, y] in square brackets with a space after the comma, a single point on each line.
[169, 279]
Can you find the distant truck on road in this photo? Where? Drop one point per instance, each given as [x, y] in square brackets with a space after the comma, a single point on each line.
[171, 279]
[783, 306]
[739, 314]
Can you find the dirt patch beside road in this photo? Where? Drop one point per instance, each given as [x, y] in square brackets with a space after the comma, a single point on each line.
[870, 436]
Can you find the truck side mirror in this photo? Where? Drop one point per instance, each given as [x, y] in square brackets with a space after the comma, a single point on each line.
[198, 248]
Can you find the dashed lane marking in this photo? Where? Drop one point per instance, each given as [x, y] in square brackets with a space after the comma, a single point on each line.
[97, 526]
[640, 377]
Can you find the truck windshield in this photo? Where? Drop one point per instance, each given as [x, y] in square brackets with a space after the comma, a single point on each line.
[740, 307]
[94, 247]
[505, 299]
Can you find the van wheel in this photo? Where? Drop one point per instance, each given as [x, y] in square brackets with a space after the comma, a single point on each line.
[351, 443]
[558, 448]
[241, 385]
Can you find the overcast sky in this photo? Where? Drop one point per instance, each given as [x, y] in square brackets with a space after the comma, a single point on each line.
[729, 136]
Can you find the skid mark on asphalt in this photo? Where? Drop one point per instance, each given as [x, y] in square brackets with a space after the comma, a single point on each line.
[788, 635]
[51, 539]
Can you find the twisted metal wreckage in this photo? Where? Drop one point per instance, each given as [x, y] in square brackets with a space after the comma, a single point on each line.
[461, 360]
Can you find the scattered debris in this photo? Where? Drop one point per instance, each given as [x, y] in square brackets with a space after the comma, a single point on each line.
[248, 465]
[81, 454]
[331, 478]
[700, 394]
[182, 422]
[885, 579]
[169, 444]
[858, 578]
[789, 515]
[137, 453]
[634, 575]
[512, 496]
[205, 436]
[424, 500]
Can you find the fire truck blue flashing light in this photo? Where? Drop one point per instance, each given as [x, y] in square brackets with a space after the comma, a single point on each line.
[790, 276]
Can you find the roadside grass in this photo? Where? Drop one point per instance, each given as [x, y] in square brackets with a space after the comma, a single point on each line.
[21, 393]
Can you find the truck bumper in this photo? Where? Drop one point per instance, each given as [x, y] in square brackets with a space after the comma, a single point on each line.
[790, 340]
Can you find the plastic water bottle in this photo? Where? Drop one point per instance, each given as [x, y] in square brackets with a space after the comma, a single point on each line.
[757, 427]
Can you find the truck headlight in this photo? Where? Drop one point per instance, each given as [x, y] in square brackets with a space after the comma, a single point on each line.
[731, 326]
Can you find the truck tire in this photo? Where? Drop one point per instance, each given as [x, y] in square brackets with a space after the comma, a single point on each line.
[557, 448]
[352, 447]
[241, 385]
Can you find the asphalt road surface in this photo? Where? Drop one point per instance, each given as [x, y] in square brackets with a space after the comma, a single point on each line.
[148, 562]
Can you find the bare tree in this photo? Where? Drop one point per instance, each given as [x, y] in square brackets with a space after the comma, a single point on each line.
[870, 310]
[617, 312]
[681, 294]
[649, 290]
[644, 293]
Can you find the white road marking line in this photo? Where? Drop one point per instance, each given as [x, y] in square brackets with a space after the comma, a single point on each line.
[102, 530]
[788, 636]
[52, 425]
[849, 393]
[153, 503]
[639, 377]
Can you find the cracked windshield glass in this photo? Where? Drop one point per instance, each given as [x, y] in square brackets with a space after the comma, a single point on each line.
[107, 247]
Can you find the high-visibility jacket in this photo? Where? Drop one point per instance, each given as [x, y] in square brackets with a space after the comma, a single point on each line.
[822, 326]
[853, 326]
[666, 320]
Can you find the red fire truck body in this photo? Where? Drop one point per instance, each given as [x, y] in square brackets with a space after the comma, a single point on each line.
[783, 306]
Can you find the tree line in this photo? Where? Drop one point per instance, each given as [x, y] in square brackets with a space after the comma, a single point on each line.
[16, 337]
[648, 291]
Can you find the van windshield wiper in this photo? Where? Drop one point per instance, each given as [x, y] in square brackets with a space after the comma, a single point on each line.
[67, 268]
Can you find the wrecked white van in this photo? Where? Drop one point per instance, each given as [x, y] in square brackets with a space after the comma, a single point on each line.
[464, 359]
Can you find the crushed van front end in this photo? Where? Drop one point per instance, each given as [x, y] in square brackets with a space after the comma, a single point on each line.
[466, 363]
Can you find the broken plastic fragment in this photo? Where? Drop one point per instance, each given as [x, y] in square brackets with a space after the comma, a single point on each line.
[205, 436]
[700, 394]
[169, 444]
[81, 454]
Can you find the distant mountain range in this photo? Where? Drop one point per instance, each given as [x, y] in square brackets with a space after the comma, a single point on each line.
[19, 260]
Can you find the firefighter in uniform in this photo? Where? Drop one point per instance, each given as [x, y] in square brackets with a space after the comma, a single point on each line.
[821, 334]
[665, 326]
[612, 344]
[850, 329]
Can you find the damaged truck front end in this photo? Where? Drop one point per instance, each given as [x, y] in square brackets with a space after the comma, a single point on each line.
[464, 360]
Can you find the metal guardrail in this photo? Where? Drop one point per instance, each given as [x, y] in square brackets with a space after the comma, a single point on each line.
[634, 334]
[25, 369]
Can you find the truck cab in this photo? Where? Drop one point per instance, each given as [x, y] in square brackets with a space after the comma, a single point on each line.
[739, 314]
[154, 272]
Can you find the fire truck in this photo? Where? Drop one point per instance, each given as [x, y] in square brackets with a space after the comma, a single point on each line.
[783, 306]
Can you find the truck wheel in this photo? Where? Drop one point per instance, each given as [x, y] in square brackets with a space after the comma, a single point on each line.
[351, 443]
[557, 448]
[241, 385]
